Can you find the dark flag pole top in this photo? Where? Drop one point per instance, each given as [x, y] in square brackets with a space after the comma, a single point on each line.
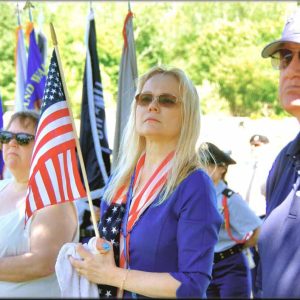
[28, 5]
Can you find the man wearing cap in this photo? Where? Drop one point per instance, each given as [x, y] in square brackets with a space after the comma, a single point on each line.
[279, 241]
[231, 273]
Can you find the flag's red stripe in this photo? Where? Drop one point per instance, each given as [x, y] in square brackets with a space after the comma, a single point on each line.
[119, 193]
[28, 208]
[78, 182]
[138, 168]
[157, 171]
[122, 260]
[51, 154]
[49, 119]
[50, 136]
[56, 164]
[36, 195]
[48, 184]
[68, 183]
[129, 15]
[134, 214]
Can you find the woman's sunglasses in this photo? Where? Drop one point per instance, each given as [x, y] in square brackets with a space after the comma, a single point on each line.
[22, 138]
[282, 58]
[164, 100]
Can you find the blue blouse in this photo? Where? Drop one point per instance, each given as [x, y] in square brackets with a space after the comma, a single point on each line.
[179, 236]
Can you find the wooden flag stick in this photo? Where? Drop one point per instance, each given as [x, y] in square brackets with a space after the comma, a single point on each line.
[83, 170]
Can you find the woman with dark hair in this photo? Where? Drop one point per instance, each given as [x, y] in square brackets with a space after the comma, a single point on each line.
[28, 255]
[231, 276]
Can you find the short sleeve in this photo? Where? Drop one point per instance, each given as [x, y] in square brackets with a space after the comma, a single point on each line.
[241, 217]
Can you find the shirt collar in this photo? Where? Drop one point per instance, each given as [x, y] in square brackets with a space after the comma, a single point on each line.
[294, 146]
[220, 187]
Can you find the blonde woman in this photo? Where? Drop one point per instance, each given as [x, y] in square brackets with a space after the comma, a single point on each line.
[159, 215]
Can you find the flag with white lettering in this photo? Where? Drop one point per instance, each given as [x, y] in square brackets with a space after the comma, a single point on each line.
[93, 134]
[36, 73]
[54, 177]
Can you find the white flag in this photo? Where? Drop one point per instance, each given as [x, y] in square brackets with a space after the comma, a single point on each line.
[127, 85]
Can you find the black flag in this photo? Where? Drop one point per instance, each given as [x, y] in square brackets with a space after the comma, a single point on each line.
[93, 135]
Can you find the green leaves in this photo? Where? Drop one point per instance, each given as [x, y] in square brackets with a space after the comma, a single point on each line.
[217, 43]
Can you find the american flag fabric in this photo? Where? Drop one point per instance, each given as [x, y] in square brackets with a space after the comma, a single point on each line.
[54, 176]
[144, 198]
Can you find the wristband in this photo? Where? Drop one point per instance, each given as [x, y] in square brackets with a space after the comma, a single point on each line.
[124, 279]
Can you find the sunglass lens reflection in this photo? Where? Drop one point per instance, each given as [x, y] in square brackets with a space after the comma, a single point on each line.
[165, 100]
[21, 138]
[282, 58]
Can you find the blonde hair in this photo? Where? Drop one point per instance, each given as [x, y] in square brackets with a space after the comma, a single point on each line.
[132, 145]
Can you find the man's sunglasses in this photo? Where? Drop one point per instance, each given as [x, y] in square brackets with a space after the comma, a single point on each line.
[164, 100]
[282, 58]
[22, 138]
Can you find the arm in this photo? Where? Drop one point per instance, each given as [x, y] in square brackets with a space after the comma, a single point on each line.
[197, 230]
[243, 220]
[252, 241]
[101, 269]
[197, 235]
[51, 227]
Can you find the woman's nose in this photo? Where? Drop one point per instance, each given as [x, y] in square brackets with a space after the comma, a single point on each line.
[12, 142]
[153, 105]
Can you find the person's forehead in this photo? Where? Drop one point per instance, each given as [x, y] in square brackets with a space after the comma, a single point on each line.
[20, 124]
[166, 82]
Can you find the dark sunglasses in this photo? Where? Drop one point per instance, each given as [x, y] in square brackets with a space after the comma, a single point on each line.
[164, 100]
[22, 138]
[282, 58]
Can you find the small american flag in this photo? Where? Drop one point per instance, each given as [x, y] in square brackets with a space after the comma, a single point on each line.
[54, 176]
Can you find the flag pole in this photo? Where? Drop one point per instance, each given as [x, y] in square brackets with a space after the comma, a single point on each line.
[18, 15]
[29, 5]
[83, 170]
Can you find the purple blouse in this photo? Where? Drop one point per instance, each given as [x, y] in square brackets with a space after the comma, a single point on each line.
[179, 236]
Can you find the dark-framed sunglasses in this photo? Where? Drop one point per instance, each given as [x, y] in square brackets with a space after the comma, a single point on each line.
[164, 100]
[22, 138]
[282, 58]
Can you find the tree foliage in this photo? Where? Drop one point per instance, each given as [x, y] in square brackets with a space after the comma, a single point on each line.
[217, 43]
